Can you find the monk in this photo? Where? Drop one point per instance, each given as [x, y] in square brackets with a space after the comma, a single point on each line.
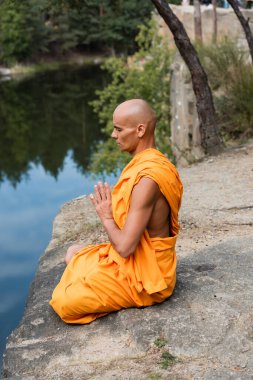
[138, 266]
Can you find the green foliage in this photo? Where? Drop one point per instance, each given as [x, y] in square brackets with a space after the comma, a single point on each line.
[146, 76]
[21, 30]
[29, 27]
[231, 78]
[160, 342]
[235, 107]
[114, 23]
[167, 360]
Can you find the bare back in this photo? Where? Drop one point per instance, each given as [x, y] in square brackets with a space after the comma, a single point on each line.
[153, 210]
[158, 225]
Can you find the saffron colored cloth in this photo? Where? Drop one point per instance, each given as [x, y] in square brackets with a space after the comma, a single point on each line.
[98, 280]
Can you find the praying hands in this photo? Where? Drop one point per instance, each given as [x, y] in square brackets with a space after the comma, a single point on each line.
[102, 201]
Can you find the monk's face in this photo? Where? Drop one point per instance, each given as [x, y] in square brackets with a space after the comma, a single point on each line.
[125, 132]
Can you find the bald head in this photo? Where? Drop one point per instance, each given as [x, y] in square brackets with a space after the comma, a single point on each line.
[133, 126]
[136, 111]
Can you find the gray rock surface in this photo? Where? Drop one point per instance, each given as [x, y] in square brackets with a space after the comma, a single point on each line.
[207, 325]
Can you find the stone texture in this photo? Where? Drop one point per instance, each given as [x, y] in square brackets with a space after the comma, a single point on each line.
[185, 132]
[206, 325]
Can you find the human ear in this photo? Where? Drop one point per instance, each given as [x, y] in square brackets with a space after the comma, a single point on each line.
[141, 129]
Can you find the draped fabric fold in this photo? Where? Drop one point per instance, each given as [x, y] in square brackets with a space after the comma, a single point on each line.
[98, 280]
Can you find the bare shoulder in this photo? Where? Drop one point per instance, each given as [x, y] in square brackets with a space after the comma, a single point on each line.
[145, 192]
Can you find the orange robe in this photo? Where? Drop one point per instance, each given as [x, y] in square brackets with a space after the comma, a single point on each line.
[98, 280]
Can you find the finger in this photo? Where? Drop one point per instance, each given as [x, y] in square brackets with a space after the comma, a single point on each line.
[102, 191]
[92, 199]
[97, 194]
[108, 191]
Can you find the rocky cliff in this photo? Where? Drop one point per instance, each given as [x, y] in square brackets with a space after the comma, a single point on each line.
[204, 331]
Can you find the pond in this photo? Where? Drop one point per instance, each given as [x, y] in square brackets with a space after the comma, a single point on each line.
[48, 132]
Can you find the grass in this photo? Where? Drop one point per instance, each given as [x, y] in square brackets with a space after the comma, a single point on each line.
[167, 360]
[160, 342]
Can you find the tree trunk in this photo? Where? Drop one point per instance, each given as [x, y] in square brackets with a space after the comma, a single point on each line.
[101, 10]
[244, 24]
[197, 21]
[214, 2]
[210, 139]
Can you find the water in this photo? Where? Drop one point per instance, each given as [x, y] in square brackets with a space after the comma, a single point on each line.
[47, 134]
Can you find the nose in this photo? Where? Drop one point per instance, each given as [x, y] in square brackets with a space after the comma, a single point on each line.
[114, 135]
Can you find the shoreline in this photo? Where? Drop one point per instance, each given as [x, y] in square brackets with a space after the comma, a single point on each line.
[49, 64]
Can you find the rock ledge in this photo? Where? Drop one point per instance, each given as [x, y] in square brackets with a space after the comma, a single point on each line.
[206, 325]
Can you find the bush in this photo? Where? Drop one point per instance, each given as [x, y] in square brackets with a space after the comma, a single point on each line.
[231, 78]
[146, 76]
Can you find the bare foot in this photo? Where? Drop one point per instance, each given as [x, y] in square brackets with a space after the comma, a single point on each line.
[71, 251]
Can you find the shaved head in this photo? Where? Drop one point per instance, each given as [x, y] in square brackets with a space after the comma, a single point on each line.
[136, 111]
[134, 126]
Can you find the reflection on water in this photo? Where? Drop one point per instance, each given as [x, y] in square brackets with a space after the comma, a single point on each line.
[44, 117]
[47, 132]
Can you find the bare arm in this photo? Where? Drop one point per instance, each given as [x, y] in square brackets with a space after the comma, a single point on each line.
[143, 199]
